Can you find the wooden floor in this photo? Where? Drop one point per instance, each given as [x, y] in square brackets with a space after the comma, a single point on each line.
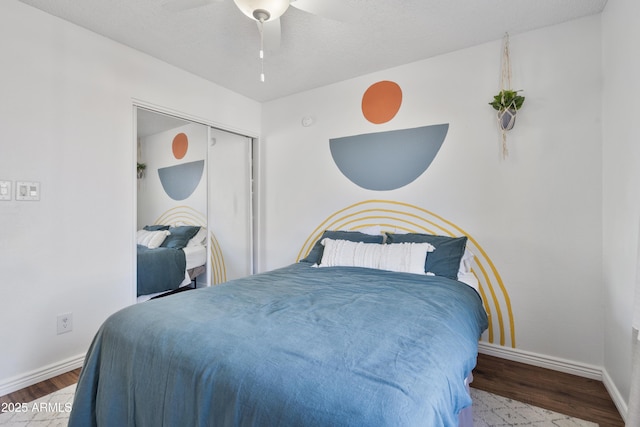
[36, 391]
[568, 394]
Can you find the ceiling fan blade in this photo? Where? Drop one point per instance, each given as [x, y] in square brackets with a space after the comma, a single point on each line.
[271, 34]
[182, 5]
[332, 9]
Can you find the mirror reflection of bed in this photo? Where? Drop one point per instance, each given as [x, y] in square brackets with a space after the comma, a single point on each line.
[194, 222]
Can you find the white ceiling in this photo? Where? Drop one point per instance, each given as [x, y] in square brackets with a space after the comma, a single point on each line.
[217, 42]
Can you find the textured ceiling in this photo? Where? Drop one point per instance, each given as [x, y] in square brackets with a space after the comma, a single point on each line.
[217, 42]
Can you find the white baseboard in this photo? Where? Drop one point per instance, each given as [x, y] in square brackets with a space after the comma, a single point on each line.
[542, 361]
[617, 398]
[42, 374]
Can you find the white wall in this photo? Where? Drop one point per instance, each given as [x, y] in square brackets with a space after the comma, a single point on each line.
[536, 213]
[66, 115]
[621, 183]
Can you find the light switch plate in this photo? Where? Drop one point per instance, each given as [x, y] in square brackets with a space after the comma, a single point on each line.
[27, 190]
[5, 190]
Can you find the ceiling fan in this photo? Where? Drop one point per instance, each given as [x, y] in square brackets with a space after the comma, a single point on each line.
[267, 14]
[270, 11]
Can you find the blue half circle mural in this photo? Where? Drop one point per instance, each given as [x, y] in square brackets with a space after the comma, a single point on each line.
[387, 160]
[180, 181]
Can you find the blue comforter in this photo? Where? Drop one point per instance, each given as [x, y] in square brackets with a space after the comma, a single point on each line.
[160, 269]
[298, 346]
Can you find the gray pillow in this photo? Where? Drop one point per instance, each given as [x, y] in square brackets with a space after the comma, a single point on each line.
[445, 260]
[180, 236]
[315, 256]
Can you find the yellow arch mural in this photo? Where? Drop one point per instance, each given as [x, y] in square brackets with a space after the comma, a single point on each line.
[394, 216]
[182, 214]
[188, 215]
[218, 267]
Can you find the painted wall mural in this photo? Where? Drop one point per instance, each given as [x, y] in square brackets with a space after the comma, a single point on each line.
[381, 101]
[400, 217]
[182, 215]
[180, 181]
[383, 161]
[387, 160]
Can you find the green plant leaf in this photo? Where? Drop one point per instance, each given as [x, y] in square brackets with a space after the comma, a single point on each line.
[507, 99]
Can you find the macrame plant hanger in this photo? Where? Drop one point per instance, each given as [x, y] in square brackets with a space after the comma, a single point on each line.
[507, 117]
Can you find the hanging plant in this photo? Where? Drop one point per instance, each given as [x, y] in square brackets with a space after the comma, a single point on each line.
[141, 167]
[507, 102]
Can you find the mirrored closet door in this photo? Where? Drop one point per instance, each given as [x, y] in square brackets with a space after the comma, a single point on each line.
[230, 205]
[194, 196]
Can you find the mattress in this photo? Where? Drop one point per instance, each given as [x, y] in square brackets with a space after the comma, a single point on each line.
[196, 256]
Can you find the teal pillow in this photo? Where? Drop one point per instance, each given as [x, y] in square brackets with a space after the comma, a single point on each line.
[315, 256]
[180, 236]
[445, 260]
[155, 227]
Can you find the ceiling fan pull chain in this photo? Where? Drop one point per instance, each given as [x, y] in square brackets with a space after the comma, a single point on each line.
[262, 50]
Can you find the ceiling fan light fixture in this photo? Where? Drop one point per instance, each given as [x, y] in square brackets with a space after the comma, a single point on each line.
[263, 10]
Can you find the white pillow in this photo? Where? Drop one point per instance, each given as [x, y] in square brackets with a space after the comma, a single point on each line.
[373, 230]
[465, 262]
[151, 239]
[401, 257]
[199, 239]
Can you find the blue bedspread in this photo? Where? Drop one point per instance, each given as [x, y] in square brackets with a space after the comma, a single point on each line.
[159, 269]
[298, 346]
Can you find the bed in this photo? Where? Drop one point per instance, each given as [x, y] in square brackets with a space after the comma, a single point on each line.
[168, 258]
[321, 342]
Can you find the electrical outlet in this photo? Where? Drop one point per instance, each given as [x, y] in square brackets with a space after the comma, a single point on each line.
[65, 323]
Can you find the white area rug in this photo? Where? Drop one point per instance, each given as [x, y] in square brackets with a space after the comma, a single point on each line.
[492, 410]
[51, 410]
[489, 410]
